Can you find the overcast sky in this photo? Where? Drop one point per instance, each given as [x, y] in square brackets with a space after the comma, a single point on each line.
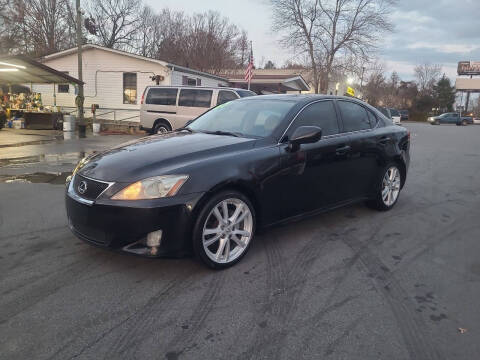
[435, 31]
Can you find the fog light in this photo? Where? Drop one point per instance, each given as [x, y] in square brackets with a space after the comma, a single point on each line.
[154, 238]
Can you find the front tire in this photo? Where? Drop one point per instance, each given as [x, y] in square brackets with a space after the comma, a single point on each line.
[388, 188]
[224, 229]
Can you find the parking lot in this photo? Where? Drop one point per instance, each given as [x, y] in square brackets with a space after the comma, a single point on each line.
[349, 284]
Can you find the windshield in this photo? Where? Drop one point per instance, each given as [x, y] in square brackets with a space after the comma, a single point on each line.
[250, 118]
[394, 112]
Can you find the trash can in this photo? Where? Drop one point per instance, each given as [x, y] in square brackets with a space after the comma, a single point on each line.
[68, 123]
[96, 128]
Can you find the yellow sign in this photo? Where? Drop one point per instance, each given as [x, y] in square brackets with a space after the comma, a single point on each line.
[350, 91]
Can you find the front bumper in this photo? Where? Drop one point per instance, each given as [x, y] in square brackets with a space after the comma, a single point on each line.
[124, 225]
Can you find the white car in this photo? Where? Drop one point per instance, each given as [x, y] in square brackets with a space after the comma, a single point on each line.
[166, 108]
[396, 116]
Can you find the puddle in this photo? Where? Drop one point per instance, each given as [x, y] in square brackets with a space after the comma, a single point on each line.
[56, 178]
[51, 159]
[35, 142]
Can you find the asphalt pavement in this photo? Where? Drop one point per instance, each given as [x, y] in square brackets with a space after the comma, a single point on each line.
[349, 284]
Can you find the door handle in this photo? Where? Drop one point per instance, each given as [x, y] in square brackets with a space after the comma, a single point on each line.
[342, 150]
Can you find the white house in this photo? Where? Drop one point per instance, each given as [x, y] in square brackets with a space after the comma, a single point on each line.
[115, 80]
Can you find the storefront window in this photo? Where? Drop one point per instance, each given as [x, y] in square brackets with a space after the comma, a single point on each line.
[129, 88]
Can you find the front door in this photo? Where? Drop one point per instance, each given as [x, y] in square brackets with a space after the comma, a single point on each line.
[314, 174]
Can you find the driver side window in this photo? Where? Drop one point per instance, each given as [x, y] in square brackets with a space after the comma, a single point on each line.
[321, 114]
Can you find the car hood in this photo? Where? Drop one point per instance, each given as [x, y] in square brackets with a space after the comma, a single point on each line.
[160, 154]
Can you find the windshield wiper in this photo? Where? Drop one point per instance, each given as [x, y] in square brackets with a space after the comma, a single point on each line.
[220, 132]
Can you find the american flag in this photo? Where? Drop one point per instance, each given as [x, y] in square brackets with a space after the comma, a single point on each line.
[249, 71]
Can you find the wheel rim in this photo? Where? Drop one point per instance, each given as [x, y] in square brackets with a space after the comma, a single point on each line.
[162, 130]
[227, 230]
[391, 186]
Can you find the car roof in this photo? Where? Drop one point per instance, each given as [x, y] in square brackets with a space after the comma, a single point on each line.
[197, 87]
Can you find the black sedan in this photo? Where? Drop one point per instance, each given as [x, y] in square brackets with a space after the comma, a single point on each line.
[250, 163]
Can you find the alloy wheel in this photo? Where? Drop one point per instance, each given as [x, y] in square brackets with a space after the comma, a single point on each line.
[227, 230]
[391, 186]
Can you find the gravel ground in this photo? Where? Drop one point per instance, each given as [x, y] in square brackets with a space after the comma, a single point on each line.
[349, 284]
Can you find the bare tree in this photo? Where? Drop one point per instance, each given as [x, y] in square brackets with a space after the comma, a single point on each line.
[329, 28]
[36, 27]
[148, 33]
[298, 19]
[117, 22]
[426, 76]
[206, 41]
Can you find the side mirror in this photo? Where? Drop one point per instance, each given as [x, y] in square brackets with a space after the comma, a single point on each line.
[304, 135]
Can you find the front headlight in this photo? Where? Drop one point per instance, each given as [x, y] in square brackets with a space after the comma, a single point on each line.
[152, 188]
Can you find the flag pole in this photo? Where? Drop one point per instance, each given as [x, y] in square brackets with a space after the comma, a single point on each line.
[251, 59]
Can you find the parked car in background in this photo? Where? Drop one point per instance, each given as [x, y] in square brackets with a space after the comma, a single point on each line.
[386, 112]
[403, 115]
[251, 163]
[166, 108]
[395, 116]
[450, 118]
[476, 121]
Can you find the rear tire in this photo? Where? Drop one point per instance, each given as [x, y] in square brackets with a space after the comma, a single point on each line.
[161, 127]
[221, 239]
[388, 188]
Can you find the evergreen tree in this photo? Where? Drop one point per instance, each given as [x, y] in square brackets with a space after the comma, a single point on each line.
[444, 94]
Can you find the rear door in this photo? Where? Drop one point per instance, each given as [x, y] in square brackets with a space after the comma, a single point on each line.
[159, 102]
[454, 118]
[192, 103]
[362, 163]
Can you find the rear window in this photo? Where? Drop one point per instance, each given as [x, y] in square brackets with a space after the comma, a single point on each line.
[195, 98]
[159, 96]
[225, 96]
[354, 116]
[394, 112]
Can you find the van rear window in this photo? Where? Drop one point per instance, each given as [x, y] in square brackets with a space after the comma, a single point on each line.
[162, 96]
[195, 98]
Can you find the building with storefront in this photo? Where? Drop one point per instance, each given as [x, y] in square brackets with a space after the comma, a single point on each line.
[115, 80]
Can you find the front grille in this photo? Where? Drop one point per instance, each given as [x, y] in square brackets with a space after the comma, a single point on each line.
[93, 188]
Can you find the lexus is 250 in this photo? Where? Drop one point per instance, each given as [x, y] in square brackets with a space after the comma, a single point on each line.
[250, 163]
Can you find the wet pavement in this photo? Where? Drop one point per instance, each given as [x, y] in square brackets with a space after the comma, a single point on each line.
[350, 284]
[24, 152]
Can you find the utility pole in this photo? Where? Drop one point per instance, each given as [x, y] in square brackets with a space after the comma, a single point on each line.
[80, 97]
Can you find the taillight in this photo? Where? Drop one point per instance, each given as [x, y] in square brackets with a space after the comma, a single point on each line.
[143, 94]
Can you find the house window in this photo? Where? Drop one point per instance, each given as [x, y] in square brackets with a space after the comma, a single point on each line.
[63, 88]
[191, 81]
[129, 88]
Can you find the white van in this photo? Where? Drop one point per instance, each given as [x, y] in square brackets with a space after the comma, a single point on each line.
[166, 108]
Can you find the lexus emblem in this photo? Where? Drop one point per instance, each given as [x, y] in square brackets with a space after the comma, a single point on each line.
[82, 187]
